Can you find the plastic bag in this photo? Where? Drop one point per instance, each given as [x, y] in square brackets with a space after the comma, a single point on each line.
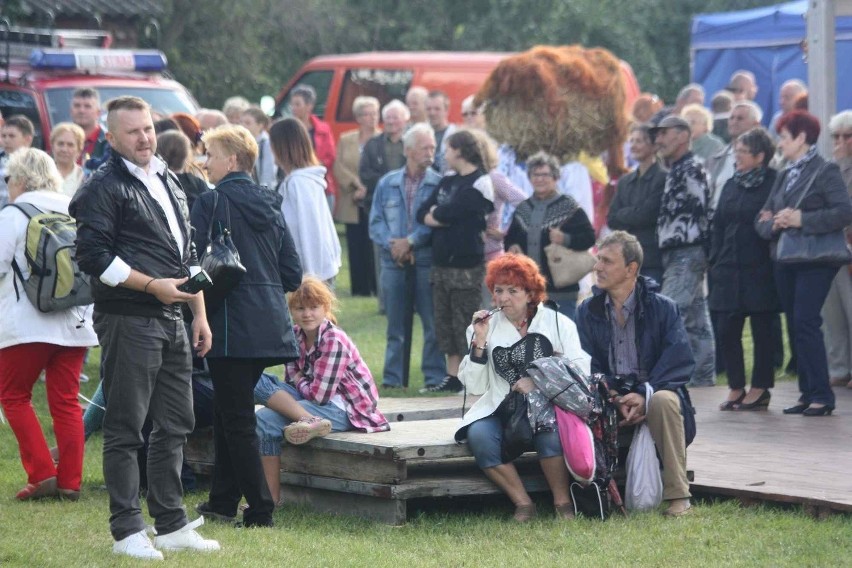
[644, 488]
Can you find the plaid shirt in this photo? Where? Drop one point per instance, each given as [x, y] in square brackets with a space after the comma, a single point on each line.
[334, 366]
[412, 184]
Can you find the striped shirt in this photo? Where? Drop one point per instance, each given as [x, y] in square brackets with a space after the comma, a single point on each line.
[623, 355]
[332, 368]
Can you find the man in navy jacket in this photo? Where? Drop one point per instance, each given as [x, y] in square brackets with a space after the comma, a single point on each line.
[636, 337]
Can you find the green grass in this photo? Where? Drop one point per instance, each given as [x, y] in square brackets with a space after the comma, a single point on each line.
[468, 532]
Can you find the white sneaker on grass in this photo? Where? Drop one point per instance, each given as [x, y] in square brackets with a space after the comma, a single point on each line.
[137, 545]
[185, 538]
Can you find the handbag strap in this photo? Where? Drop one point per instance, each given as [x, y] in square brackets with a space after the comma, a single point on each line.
[809, 185]
[213, 216]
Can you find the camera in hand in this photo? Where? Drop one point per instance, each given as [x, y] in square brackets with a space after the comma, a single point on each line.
[625, 384]
[197, 283]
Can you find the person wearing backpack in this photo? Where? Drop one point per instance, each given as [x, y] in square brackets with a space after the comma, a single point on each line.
[635, 336]
[33, 340]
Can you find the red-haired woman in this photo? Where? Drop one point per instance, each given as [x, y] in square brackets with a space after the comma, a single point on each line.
[501, 346]
[808, 195]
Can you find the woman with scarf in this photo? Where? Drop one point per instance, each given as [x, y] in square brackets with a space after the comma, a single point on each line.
[809, 195]
[741, 272]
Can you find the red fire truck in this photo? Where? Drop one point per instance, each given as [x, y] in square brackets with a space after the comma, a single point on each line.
[40, 69]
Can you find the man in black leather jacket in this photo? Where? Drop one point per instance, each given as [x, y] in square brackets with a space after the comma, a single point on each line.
[133, 239]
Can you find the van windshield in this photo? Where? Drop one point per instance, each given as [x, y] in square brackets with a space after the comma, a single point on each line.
[164, 101]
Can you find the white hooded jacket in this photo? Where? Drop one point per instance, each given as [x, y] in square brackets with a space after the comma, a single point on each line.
[309, 220]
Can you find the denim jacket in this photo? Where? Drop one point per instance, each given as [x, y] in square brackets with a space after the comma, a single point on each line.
[389, 215]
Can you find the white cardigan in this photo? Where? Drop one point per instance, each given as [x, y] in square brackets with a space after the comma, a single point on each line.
[20, 321]
[484, 380]
[308, 218]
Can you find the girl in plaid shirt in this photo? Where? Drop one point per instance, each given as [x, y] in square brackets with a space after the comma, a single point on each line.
[328, 388]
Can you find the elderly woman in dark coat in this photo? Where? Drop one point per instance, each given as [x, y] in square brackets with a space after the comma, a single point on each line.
[803, 287]
[743, 284]
[252, 330]
[549, 217]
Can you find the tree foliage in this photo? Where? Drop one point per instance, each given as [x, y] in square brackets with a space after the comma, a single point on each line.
[251, 47]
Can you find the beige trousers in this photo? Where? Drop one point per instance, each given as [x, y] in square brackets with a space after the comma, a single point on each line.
[666, 425]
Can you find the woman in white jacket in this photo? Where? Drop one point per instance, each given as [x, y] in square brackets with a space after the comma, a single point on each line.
[32, 341]
[304, 205]
[501, 347]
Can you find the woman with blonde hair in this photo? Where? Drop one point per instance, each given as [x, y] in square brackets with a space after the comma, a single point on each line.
[304, 204]
[251, 326]
[66, 143]
[32, 341]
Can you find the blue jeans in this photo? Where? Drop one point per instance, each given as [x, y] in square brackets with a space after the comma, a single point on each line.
[683, 282]
[803, 289]
[486, 435]
[397, 297]
[270, 424]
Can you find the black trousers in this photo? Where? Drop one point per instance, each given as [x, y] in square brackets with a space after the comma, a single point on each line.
[731, 342]
[237, 470]
[362, 271]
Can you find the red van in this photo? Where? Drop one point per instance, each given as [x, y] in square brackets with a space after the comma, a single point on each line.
[387, 75]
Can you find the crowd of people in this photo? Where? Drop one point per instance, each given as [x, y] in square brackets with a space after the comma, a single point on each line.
[439, 221]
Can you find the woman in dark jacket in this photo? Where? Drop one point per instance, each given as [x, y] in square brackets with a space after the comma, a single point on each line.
[636, 205]
[741, 272]
[803, 287]
[252, 329]
[549, 217]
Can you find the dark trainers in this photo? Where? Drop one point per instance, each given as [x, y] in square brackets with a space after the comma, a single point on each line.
[205, 510]
[450, 384]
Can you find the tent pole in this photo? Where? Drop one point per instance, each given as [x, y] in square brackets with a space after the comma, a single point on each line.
[822, 66]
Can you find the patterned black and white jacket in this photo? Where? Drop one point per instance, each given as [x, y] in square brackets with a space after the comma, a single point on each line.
[684, 218]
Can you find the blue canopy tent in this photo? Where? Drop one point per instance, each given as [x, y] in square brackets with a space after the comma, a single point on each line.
[767, 42]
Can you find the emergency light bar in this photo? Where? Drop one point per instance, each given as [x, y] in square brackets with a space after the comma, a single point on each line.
[144, 60]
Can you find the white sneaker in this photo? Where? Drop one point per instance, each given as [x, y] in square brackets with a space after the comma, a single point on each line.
[137, 545]
[185, 538]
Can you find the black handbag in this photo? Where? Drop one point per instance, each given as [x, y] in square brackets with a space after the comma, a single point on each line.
[221, 261]
[517, 432]
[796, 247]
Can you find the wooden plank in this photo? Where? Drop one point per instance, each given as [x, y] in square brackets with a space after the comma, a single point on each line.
[772, 456]
[315, 461]
[387, 511]
[426, 440]
[474, 483]
[424, 408]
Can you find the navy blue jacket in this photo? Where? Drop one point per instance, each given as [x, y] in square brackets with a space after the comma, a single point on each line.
[254, 321]
[663, 346]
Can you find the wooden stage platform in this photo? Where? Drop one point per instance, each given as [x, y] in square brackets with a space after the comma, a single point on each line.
[752, 456]
[770, 456]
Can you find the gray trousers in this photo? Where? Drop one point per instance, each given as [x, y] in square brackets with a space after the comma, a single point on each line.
[837, 325]
[147, 372]
[683, 281]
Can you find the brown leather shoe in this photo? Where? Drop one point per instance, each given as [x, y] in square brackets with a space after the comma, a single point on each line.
[524, 513]
[678, 508]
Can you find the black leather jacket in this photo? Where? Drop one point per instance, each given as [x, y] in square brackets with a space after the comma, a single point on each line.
[117, 216]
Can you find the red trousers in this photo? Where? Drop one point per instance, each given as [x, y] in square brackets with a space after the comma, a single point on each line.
[20, 366]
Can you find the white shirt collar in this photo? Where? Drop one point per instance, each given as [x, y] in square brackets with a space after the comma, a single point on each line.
[155, 166]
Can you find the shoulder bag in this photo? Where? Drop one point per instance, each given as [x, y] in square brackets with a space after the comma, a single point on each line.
[796, 247]
[221, 260]
[567, 266]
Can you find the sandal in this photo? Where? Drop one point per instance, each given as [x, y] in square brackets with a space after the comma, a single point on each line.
[41, 490]
[565, 511]
[524, 513]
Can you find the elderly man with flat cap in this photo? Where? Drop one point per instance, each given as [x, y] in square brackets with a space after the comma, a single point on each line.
[682, 234]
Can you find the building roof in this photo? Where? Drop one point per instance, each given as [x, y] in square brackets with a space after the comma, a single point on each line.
[103, 8]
